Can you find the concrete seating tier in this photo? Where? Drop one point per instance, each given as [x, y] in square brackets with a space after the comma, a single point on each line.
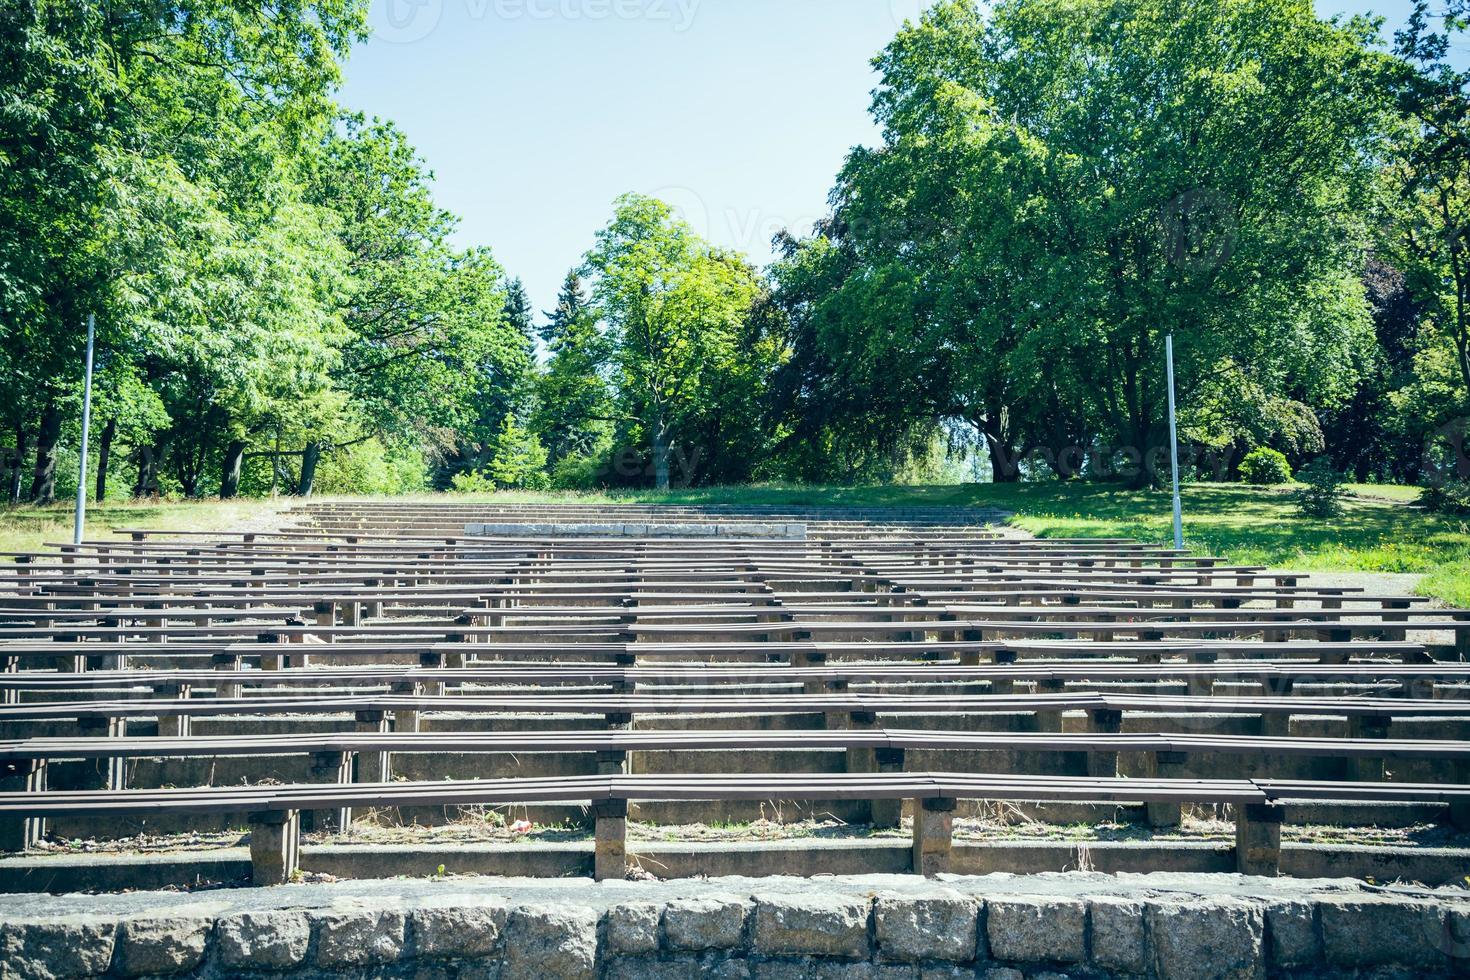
[377, 656]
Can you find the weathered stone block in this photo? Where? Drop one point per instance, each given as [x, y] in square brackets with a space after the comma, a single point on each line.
[78, 946]
[159, 946]
[458, 930]
[1002, 973]
[1291, 935]
[811, 925]
[944, 972]
[1033, 929]
[1118, 942]
[1208, 939]
[939, 928]
[839, 970]
[272, 940]
[633, 928]
[550, 943]
[705, 923]
[359, 937]
[789, 969]
[677, 968]
[1372, 930]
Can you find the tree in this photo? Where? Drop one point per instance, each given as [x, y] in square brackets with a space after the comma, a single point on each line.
[1060, 185]
[136, 135]
[1431, 172]
[519, 461]
[429, 342]
[573, 403]
[674, 307]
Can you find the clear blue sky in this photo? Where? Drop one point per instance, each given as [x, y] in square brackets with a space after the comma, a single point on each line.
[536, 114]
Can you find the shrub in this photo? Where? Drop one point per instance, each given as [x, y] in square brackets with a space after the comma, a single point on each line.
[1265, 467]
[1449, 497]
[471, 481]
[580, 471]
[1321, 493]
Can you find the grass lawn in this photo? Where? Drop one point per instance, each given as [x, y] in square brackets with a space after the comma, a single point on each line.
[27, 528]
[1247, 525]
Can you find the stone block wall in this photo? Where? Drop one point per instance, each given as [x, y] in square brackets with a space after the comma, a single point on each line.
[996, 928]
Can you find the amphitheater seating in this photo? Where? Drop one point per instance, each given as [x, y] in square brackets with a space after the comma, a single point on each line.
[361, 632]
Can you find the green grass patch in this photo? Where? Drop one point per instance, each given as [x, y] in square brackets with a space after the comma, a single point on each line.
[30, 528]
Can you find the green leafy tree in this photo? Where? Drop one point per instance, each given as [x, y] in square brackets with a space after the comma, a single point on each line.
[1059, 185]
[674, 308]
[573, 414]
[519, 461]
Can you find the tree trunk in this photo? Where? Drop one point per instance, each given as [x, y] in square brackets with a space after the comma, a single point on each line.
[104, 456]
[1146, 477]
[660, 455]
[309, 457]
[229, 484]
[17, 466]
[148, 457]
[43, 479]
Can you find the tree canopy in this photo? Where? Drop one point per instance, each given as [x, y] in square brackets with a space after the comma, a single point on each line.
[1057, 186]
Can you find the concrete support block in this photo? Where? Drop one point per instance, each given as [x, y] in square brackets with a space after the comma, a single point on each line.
[228, 662]
[888, 813]
[933, 835]
[1276, 724]
[334, 768]
[1103, 721]
[373, 767]
[1258, 839]
[174, 725]
[1004, 685]
[1202, 685]
[610, 857]
[275, 847]
[115, 773]
[1460, 814]
[1366, 769]
[22, 776]
[971, 658]
[1049, 721]
[1165, 765]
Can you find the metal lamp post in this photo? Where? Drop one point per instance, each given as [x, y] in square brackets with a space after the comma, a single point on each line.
[1174, 445]
[81, 518]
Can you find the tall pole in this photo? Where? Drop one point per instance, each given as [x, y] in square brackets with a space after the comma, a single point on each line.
[86, 427]
[1174, 446]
